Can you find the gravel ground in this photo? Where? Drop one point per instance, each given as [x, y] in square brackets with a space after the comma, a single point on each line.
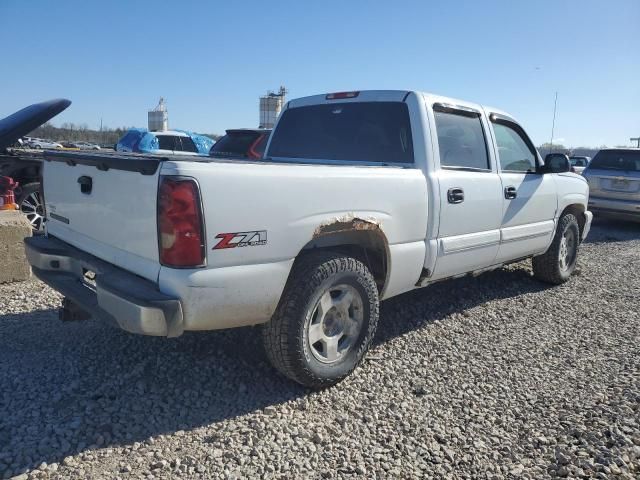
[495, 377]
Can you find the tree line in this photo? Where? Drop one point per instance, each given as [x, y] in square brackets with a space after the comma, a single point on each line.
[546, 148]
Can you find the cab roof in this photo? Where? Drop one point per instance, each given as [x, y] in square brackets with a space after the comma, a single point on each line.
[388, 96]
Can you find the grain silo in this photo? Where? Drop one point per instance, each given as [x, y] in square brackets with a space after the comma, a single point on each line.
[270, 106]
[159, 117]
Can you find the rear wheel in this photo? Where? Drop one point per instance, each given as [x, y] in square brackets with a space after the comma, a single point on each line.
[30, 203]
[559, 261]
[325, 321]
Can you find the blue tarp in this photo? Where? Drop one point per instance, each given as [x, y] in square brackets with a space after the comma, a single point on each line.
[203, 143]
[141, 140]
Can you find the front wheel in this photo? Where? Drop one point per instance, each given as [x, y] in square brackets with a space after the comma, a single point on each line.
[325, 321]
[558, 263]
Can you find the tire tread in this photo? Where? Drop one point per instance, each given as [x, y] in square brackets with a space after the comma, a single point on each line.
[545, 266]
[282, 347]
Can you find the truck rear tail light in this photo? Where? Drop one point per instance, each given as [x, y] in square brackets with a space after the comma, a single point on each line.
[180, 228]
[340, 95]
[252, 148]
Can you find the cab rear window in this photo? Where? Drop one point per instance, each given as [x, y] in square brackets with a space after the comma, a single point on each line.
[166, 142]
[188, 145]
[377, 132]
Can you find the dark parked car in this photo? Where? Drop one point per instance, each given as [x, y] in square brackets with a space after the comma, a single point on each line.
[24, 167]
[614, 183]
[241, 143]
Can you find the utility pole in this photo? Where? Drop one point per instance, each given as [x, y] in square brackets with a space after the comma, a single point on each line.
[637, 140]
[553, 124]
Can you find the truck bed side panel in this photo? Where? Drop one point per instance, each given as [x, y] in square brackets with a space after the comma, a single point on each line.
[287, 205]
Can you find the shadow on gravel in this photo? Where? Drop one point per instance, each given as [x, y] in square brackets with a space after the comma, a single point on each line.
[69, 387]
[605, 230]
[418, 308]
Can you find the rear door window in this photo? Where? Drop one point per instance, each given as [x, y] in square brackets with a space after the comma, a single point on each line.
[378, 132]
[461, 141]
[628, 161]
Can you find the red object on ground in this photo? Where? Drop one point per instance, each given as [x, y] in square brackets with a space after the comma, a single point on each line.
[7, 197]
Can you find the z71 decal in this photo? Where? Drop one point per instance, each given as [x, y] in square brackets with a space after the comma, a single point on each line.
[241, 239]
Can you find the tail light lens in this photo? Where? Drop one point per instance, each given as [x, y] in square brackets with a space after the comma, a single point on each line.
[180, 228]
[252, 152]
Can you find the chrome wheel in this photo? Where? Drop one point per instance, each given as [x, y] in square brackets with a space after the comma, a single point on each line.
[32, 207]
[567, 251]
[335, 323]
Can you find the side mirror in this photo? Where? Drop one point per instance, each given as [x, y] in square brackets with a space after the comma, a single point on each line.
[556, 163]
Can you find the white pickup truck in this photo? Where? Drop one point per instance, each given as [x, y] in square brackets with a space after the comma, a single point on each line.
[361, 196]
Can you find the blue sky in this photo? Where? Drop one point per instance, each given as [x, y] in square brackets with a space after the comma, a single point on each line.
[211, 60]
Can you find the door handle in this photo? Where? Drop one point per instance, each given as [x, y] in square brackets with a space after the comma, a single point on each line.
[455, 195]
[510, 193]
[86, 184]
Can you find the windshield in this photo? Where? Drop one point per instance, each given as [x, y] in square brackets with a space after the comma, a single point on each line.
[625, 160]
[359, 131]
[238, 144]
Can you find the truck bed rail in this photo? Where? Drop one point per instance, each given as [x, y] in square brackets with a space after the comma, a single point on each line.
[130, 162]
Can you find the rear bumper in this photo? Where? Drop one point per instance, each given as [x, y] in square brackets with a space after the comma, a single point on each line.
[126, 300]
[623, 209]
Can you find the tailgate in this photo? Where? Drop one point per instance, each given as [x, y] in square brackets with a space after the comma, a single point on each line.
[105, 205]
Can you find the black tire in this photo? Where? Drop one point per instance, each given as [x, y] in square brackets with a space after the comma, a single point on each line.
[287, 336]
[549, 267]
[34, 213]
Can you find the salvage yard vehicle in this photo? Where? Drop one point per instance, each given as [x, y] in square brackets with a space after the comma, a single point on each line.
[80, 145]
[361, 196]
[70, 145]
[241, 143]
[176, 142]
[614, 179]
[24, 166]
[579, 163]
[39, 144]
[87, 146]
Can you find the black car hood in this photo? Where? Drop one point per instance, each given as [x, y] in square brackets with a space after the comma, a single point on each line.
[28, 119]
